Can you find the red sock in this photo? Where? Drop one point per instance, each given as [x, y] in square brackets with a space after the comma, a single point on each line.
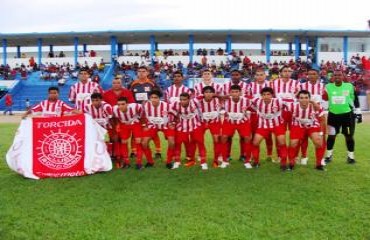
[148, 155]
[157, 143]
[170, 153]
[116, 149]
[319, 153]
[216, 151]
[228, 149]
[224, 151]
[304, 146]
[202, 152]
[247, 152]
[133, 145]
[242, 147]
[139, 153]
[191, 153]
[269, 145]
[283, 154]
[256, 153]
[124, 152]
[292, 154]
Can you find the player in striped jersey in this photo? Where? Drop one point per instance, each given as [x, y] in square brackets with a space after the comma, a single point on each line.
[99, 110]
[189, 131]
[209, 107]
[129, 116]
[207, 81]
[270, 121]
[305, 121]
[52, 107]
[81, 91]
[286, 89]
[316, 90]
[236, 119]
[255, 88]
[157, 118]
[236, 79]
[173, 92]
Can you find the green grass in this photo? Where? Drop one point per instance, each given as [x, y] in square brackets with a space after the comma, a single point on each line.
[190, 204]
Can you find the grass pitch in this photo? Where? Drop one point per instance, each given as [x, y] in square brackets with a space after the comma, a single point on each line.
[157, 203]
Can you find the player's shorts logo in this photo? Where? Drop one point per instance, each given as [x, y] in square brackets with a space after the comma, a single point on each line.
[59, 150]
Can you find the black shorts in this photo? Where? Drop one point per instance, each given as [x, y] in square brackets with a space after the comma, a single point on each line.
[344, 122]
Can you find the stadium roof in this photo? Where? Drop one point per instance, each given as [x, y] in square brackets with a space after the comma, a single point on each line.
[174, 36]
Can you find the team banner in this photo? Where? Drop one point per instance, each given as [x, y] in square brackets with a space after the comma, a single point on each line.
[59, 147]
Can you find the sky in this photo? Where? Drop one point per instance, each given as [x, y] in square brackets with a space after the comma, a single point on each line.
[99, 15]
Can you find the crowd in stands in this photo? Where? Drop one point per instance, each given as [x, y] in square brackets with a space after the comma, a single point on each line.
[162, 72]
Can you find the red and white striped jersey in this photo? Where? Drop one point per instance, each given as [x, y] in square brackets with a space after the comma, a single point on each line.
[286, 90]
[172, 93]
[255, 88]
[316, 90]
[131, 116]
[269, 114]
[80, 93]
[243, 85]
[188, 117]
[305, 118]
[101, 114]
[157, 117]
[199, 87]
[210, 111]
[236, 112]
[51, 108]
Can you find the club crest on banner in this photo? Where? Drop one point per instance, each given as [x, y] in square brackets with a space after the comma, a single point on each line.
[60, 150]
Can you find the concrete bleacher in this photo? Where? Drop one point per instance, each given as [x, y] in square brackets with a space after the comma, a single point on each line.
[16, 62]
[35, 89]
[210, 59]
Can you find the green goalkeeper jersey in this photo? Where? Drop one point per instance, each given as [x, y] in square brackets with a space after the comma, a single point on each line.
[340, 98]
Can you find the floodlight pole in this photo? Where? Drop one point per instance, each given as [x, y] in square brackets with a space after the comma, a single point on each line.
[5, 44]
[345, 49]
[76, 51]
[191, 48]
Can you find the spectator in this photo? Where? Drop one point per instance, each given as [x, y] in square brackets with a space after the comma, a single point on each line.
[61, 54]
[8, 104]
[28, 104]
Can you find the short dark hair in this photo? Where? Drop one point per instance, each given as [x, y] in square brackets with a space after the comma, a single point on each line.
[185, 94]
[143, 67]
[282, 68]
[267, 89]
[53, 89]
[122, 99]
[85, 69]
[304, 92]
[178, 72]
[236, 70]
[156, 92]
[96, 96]
[235, 87]
[208, 88]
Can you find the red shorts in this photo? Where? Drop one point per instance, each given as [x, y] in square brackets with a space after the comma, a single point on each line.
[125, 131]
[244, 129]
[196, 136]
[152, 132]
[214, 128]
[265, 132]
[297, 132]
[287, 116]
